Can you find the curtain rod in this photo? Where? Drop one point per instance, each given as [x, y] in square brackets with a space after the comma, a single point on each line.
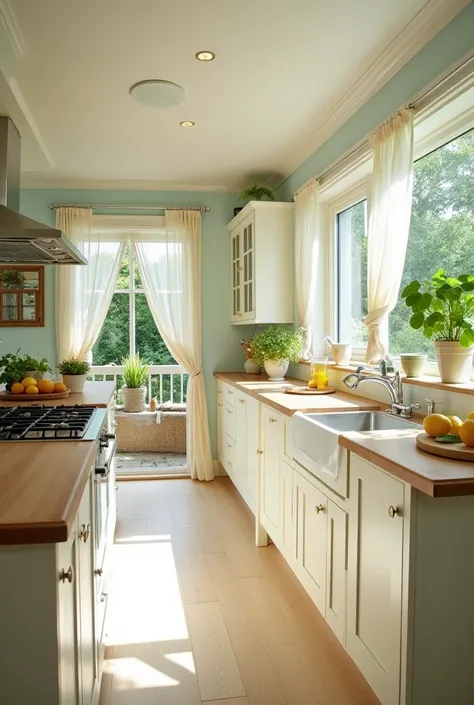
[201, 209]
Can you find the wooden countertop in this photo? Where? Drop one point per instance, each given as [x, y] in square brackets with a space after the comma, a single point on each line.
[272, 394]
[397, 453]
[98, 394]
[41, 485]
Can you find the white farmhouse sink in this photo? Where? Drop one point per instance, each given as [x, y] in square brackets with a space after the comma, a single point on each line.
[315, 438]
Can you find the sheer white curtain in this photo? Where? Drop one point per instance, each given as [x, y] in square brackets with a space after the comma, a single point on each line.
[84, 292]
[389, 223]
[171, 276]
[307, 239]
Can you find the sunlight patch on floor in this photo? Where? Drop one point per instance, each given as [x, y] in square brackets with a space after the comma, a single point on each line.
[131, 673]
[185, 659]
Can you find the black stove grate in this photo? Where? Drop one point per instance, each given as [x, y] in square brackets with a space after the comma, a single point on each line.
[23, 423]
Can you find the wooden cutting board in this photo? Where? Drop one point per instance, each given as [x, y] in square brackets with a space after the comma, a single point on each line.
[454, 451]
[308, 390]
[5, 396]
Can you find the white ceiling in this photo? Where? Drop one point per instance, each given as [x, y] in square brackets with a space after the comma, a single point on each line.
[281, 67]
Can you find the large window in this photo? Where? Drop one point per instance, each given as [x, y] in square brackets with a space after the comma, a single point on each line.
[441, 230]
[351, 259]
[129, 326]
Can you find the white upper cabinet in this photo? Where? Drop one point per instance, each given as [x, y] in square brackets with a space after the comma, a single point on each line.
[261, 263]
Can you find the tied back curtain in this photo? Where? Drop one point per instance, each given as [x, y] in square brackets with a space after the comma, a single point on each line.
[171, 274]
[84, 292]
[389, 223]
[307, 238]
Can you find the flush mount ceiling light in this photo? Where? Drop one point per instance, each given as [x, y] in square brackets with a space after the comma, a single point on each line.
[157, 93]
[205, 56]
[187, 123]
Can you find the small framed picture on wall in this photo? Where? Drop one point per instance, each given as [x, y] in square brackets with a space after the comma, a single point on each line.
[21, 295]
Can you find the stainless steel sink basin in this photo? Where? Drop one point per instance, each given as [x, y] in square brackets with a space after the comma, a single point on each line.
[315, 439]
[360, 421]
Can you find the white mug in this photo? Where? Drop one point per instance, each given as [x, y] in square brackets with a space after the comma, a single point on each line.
[341, 353]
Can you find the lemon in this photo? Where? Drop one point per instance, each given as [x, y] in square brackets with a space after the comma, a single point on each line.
[456, 424]
[17, 388]
[29, 382]
[45, 386]
[436, 425]
[467, 433]
[471, 415]
[32, 389]
[60, 387]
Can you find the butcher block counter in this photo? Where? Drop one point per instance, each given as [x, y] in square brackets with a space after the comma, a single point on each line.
[273, 394]
[41, 485]
[98, 394]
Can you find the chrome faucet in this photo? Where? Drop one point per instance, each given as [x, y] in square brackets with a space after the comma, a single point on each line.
[392, 384]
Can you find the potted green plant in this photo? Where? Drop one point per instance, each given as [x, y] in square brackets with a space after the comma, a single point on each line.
[74, 373]
[443, 308]
[275, 347]
[36, 368]
[12, 279]
[12, 369]
[135, 373]
[255, 193]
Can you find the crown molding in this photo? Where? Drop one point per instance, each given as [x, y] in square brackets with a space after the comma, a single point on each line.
[32, 180]
[12, 29]
[426, 24]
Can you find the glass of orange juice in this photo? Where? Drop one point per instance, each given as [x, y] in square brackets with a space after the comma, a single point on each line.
[319, 372]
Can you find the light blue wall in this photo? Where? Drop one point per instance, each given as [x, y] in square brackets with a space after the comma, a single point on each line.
[220, 340]
[450, 45]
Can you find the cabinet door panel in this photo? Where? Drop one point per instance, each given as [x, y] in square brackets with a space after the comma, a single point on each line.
[336, 587]
[236, 273]
[253, 440]
[220, 425]
[288, 547]
[374, 604]
[312, 541]
[229, 420]
[229, 457]
[68, 628]
[87, 643]
[271, 505]
[240, 452]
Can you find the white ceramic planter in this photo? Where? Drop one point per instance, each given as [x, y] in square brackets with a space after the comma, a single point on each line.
[74, 382]
[413, 364]
[251, 368]
[133, 399]
[454, 361]
[276, 370]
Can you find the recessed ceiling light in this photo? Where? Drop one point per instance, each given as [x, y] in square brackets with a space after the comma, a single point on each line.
[157, 93]
[187, 123]
[205, 56]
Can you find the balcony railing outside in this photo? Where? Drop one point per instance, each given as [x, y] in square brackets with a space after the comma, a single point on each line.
[165, 382]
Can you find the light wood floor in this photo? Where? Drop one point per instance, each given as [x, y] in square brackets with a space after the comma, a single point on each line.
[198, 614]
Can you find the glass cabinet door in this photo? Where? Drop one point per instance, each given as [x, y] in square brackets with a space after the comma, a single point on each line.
[248, 270]
[236, 274]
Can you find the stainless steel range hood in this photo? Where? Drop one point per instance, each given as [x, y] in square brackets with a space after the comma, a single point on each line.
[23, 240]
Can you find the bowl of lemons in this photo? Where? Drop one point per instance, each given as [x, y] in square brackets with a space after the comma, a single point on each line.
[30, 388]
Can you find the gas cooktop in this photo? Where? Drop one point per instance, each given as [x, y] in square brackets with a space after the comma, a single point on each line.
[49, 423]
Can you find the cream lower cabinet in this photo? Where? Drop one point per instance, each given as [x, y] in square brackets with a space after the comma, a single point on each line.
[226, 427]
[247, 447]
[270, 478]
[375, 577]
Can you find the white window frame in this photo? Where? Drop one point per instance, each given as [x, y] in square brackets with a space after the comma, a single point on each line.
[348, 182]
[127, 229]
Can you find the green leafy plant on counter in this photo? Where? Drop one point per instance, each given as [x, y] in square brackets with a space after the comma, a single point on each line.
[34, 365]
[257, 193]
[12, 369]
[278, 344]
[135, 371]
[443, 307]
[73, 366]
[12, 279]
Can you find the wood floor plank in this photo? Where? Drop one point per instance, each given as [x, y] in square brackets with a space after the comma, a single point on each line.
[182, 515]
[196, 580]
[259, 679]
[216, 667]
[227, 701]
[297, 676]
[271, 614]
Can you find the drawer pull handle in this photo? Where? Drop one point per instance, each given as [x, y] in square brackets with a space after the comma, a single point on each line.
[320, 508]
[66, 575]
[242, 401]
[259, 452]
[272, 420]
[84, 532]
[98, 571]
[392, 511]
[103, 597]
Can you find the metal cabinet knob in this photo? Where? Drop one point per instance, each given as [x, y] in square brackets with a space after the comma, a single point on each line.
[103, 597]
[392, 511]
[66, 575]
[240, 269]
[84, 533]
[239, 313]
[259, 452]
[320, 508]
[272, 420]
[98, 571]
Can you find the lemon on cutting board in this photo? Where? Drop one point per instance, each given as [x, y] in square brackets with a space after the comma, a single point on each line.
[456, 424]
[467, 432]
[436, 425]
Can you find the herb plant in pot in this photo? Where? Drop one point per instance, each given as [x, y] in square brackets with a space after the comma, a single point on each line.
[12, 369]
[135, 373]
[443, 308]
[74, 373]
[36, 368]
[274, 348]
[255, 193]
